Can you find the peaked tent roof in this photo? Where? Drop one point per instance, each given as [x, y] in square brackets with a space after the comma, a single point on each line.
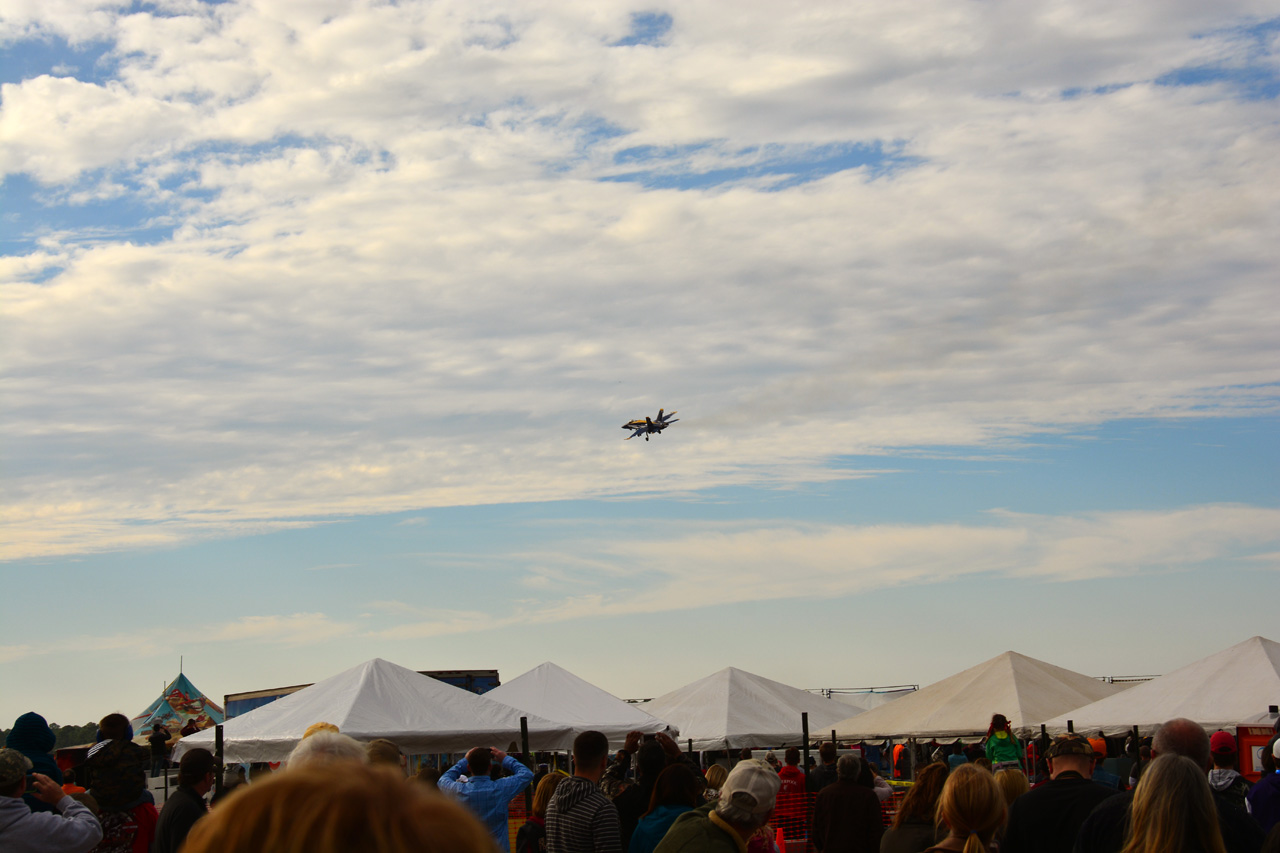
[176, 704]
[380, 699]
[1027, 691]
[555, 693]
[1225, 689]
[734, 708]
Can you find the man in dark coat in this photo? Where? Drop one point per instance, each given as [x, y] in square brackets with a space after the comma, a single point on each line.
[186, 805]
[846, 816]
[1046, 819]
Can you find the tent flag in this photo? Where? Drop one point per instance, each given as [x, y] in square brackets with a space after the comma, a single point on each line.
[178, 703]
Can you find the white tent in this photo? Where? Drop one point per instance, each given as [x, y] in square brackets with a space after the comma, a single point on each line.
[554, 693]
[1222, 690]
[378, 699]
[733, 708]
[1027, 691]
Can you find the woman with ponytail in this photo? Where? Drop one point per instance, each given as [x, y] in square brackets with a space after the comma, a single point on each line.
[1003, 749]
[973, 810]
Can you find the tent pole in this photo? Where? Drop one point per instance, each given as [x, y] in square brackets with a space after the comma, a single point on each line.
[1071, 726]
[804, 728]
[524, 749]
[218, 755]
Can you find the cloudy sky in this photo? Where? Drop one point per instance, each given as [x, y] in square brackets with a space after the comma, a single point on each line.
[320, 318]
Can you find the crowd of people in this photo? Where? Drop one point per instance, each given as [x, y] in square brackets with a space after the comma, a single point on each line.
[335, 793]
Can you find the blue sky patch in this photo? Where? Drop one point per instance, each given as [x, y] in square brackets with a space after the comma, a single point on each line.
[32, 212]
[786, 165]
[90, 62]
[649, 28]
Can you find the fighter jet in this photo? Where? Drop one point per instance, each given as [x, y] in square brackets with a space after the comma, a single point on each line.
[649, 426]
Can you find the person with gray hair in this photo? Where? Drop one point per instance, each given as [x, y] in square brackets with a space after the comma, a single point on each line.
[1106, 828]
[326, 747]
[746, 803]
[846, 816]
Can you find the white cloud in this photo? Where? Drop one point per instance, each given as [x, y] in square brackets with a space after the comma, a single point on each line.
[696, 566]
[396, 282]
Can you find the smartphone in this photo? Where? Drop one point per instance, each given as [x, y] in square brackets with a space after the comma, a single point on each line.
[651, 736]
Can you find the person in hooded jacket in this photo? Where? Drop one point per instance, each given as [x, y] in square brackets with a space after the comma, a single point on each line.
[580, 819]
[1223, 778]
[32, 737]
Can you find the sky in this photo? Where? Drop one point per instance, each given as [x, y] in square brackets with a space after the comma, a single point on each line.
[319, 319]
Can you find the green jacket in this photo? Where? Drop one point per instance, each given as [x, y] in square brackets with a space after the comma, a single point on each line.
[699, 831]
[1003, 746]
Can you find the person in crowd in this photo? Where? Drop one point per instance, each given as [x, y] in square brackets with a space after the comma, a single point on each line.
[186, 805]
[1173, 810]
[327, 808]
[1143, 759]
[116, 775]
[32, 737]
[678, 790]
[825, 773]
[957, 756]
[972, 809]
[1002, 747]
[580, 819]
[869, 779]
[68, 827]
[745, 805]
[1272, 844]
[1046, 819]
[792, 806]
[1107, 827]
[69, 785]
[1013, 783]
[384, 752]
[158, 741]
[1264, 797]
[716, 774]
[428, 775]
[1100, 774]
[914, 827]
[1223, 778]
[631, 799]
[532, 837]
[484, 795]
[901, 761]
[846, 815]
[191, 728]
[326, 747]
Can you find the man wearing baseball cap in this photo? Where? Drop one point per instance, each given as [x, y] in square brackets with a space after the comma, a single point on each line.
[1224, 779]
[746, 803]
[73, 829]
[1047, 819]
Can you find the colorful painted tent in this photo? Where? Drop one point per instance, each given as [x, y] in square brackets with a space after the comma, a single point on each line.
[179, 702]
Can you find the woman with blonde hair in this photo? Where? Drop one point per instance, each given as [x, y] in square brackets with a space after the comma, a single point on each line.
[338, 808]
[716, 774]
[972, 808]
[1013, 784]
[1173, 810]
[532, 837]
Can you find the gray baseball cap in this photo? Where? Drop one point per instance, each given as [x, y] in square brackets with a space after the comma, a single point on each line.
[13, 766]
